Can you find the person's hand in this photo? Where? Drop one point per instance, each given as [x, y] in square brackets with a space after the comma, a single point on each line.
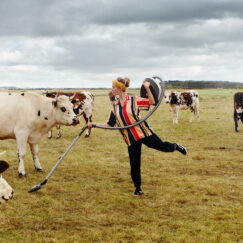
[90, 125]
[146, 84]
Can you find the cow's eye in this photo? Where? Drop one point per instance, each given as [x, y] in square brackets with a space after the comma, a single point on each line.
[73, 101]
[63, 109]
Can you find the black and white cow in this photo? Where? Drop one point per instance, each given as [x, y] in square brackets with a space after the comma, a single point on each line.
[27, 117]
[183, 101]
[238, 109]
[6, 191]
[83, 104]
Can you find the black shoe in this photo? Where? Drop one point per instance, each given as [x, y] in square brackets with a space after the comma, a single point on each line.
[137, 192]
[180, 148]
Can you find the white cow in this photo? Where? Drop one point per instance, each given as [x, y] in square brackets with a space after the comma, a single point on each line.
[183, 101]
[6, 191]
[27, 117]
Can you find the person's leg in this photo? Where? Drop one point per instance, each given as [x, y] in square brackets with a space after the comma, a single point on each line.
[135, 163]
[155, 142]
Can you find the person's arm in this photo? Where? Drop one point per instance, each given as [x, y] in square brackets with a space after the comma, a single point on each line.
[101, 124]
[110, 122]
[146, 85]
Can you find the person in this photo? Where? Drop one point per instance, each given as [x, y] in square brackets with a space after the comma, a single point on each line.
[124, 112]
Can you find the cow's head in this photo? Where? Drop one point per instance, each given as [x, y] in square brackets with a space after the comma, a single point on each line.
[6, 191]
[167, 96]
[65, 114]
[78, 100]
[82, 102]
[171, 97]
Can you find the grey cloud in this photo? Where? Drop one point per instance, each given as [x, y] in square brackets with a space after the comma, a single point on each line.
[167, 11]
[99, 39]
[59, 17]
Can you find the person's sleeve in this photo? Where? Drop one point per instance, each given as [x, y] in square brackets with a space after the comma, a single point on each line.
[111, 120]
[142, 103]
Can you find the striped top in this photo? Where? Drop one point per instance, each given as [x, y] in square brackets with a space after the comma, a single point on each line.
[129, 114]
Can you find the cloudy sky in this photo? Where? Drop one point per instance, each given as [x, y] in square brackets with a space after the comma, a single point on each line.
[88, 43]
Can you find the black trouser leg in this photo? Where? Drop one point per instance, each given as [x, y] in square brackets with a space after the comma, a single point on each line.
[155, 142]
[135, 163]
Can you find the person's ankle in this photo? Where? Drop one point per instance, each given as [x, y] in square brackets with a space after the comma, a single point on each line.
[138, 192]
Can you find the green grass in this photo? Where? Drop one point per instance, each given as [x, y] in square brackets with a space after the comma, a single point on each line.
[193, 198]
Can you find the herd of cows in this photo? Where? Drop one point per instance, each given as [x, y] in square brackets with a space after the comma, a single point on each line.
[27, 117]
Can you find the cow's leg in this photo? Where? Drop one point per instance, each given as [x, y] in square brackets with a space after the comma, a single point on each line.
[50, 134]
[197, 110]
[236, 124]
[21, 140]
[87, 118]
[58, 131]
[34, 150]
[192, 114]
[175, 115]
[236, 119]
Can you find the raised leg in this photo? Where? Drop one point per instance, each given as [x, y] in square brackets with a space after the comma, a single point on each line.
[34, 150]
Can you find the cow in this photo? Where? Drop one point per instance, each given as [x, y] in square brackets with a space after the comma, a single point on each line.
[27, 117]
[182, 101]
[83, 103]
[6, 191]
[238, 109]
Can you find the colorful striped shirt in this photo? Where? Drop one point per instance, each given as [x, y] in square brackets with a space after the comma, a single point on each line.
[129, 114]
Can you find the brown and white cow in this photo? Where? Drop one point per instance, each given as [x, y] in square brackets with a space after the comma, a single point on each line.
[83, 103]
[183, 101]
[6, 191]
[27, 117]
[238, 109]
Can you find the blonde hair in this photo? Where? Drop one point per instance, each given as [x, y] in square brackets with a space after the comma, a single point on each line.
[122, 83]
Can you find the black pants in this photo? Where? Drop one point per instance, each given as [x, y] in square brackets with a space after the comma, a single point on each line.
[134, 151]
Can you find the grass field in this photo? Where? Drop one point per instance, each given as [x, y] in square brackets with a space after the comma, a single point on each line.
[193, 198]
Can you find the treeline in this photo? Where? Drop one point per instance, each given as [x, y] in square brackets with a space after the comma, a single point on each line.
[190, 84]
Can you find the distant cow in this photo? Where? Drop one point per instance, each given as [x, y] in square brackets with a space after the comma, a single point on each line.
[83, 103]
[182, 101]
[27, 117]
[238, 109]
[6, 191]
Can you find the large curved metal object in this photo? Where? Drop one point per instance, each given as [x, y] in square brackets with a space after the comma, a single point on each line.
[161, 83]
[162, 89]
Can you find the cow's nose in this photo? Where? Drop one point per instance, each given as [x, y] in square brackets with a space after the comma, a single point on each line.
[5, 199]
[75, 121]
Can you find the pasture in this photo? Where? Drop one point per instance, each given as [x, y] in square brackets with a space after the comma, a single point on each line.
[193, 198]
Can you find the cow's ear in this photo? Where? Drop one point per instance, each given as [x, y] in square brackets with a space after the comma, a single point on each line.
[3, 166]
[54, 103]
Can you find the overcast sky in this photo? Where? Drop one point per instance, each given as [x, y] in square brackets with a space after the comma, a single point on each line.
[88, 43]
